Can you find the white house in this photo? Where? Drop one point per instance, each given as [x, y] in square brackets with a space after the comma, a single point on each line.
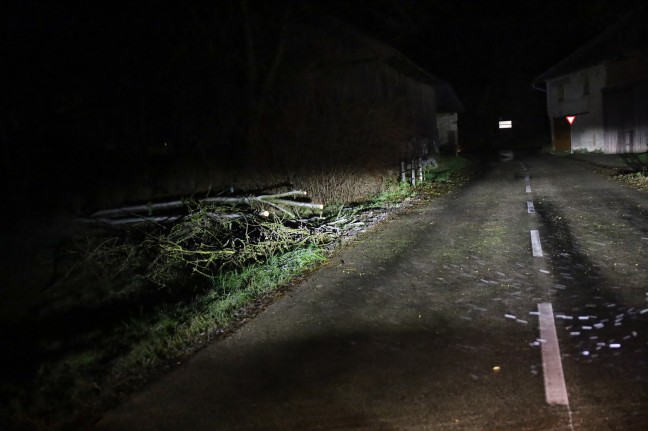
[602, 89]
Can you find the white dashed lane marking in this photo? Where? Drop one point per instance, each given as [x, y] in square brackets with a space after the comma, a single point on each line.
[554, 378]
[535, 244]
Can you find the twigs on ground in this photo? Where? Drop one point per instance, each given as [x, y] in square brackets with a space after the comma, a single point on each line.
[207, 245]
[206, 241]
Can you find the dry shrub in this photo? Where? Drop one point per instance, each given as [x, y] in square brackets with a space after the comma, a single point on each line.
[324, 186]
[339, 186]
[338, 154]
[638, 180]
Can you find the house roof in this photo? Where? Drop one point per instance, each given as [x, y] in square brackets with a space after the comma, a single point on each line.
[629, 34]
[446, 99]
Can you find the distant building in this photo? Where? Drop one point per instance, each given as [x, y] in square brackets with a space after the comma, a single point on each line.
[604, 85]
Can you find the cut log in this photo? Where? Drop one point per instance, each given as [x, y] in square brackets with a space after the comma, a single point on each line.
[275, 200]
[136, 209]
[152, 219]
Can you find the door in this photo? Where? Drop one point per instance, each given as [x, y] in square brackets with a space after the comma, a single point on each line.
[562, 135]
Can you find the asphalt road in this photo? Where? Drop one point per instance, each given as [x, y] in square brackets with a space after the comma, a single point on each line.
[430, 322]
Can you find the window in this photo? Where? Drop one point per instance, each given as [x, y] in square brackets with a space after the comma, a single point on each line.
[586, 85]
[561, 92]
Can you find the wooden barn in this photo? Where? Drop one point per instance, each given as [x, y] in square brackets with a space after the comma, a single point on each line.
[448, 109]
[596, 97]
[350, 98]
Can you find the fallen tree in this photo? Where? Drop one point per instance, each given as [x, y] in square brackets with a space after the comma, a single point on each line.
[146, 212]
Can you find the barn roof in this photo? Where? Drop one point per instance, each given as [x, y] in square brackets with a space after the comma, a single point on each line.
[446, 99]
[628, 35]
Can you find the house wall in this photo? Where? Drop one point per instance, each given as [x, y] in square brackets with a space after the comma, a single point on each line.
[625, 118]
[625, 115]
[579, 94]
[609, 103]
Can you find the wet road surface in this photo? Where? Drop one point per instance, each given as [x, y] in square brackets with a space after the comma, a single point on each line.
[430, 322]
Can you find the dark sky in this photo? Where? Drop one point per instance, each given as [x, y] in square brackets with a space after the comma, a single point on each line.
[89, 86]
[489, 51]
[467, 41]
[464, 42]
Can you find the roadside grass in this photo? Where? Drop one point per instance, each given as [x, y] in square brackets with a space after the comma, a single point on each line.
[637, 180]
[393, 191]
[643, 157]
[448, 168]
[179, 326]
[160, 294]
[132, 303]
[450, 172]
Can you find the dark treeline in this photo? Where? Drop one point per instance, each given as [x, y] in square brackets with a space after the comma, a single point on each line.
[93, 88]
[102, 96]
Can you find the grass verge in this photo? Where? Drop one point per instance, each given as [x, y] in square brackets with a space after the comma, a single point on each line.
[637, 180]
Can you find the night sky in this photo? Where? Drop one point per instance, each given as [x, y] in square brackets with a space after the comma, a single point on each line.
[489, 51]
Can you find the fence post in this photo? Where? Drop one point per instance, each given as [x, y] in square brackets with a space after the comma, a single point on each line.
[413, 173]
[403, 172]
[420, 169]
